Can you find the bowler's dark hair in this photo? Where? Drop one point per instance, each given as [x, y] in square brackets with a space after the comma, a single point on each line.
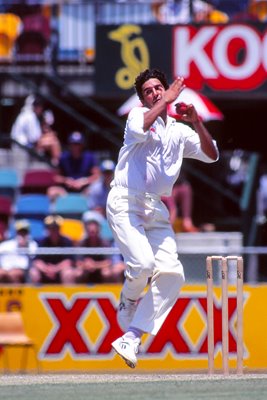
[145, 76]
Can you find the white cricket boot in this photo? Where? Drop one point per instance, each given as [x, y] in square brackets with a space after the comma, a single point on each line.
[127, 348]
[126, 312]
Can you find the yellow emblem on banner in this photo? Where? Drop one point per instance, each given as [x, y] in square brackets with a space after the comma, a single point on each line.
[134, 54]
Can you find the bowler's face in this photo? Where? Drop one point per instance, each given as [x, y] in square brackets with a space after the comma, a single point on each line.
[153, 91]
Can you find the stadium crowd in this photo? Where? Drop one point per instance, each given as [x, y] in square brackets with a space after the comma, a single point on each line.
[75, 170]
[79, 178]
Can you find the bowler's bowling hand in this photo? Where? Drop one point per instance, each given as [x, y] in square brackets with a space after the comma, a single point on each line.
[186, 112]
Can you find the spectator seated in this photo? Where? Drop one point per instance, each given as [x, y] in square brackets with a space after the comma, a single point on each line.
[53, 268]
[14, 267]
[37, 228]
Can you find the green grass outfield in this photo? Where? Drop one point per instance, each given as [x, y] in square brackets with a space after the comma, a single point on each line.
[133, 387]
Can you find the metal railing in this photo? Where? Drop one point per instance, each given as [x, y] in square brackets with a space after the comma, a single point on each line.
[193, 259]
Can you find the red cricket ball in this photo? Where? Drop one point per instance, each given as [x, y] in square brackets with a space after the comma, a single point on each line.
[181, 108]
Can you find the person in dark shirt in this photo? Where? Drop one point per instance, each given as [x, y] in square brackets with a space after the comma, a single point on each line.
[52, 268]
[77, 168]
[91, 268]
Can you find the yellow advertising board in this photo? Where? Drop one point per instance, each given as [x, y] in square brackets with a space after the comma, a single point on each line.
[73, 327]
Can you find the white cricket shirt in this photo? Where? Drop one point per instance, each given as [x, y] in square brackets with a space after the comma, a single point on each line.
[151, 161]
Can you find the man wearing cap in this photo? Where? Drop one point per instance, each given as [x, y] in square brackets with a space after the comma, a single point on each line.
[98, 192]
[13, 265]
[91, 268]
[77, 167]
[52, 268]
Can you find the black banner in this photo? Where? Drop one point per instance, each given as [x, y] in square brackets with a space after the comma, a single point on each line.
[222, 61]
[122, 52]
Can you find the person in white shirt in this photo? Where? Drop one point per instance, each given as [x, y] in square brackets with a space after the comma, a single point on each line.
[14, 266]
[26, 131]
[148, 165]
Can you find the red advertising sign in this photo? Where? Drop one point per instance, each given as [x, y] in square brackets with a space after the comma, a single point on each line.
[69, 335]
[73, 327]
[225, 58]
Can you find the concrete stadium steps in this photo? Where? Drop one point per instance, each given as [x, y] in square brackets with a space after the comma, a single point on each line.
[193, 248]
[210, 241]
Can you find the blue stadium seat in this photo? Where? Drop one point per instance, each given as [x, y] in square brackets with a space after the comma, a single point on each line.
[106, 232]
[31, 206]
[9, 182]
[37, 228]
[72, 205]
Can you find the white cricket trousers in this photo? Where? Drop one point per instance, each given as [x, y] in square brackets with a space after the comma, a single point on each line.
[143, 233]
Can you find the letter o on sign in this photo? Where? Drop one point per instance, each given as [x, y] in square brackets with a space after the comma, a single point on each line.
[253, 52]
